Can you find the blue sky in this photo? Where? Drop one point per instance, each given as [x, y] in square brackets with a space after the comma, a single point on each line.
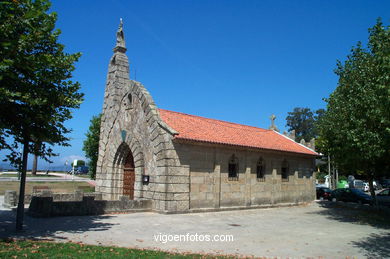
[239, 61]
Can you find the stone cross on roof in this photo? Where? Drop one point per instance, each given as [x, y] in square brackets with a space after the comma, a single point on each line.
[120, 39]
[273, 127]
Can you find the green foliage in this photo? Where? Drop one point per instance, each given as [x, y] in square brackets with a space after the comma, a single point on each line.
[321, 176]
[91, 144]
[36, 92]
[355, 129]
[303, 121]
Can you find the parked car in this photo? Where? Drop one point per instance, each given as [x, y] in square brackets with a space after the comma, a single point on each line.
[335, 194]
[79, 170]
[366, 187]
[383, 197]
[385, 183]
[323, 192]
[82, 170]
[350, 195]
[320, 185]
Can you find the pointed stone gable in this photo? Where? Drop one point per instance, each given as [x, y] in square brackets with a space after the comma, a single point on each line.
[117, 79]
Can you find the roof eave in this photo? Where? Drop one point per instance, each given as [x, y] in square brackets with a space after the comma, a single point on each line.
[188, 140]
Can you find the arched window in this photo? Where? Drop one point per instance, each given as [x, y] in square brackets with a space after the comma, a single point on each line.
[260, 169]
[285, 171]
[233, 167]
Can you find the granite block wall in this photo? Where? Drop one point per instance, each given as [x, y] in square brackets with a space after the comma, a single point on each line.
[210, 186]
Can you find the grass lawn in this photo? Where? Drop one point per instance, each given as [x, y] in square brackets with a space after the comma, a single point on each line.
[59, 187]
[39, 249]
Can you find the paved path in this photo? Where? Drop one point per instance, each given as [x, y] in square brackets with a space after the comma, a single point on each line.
[311, 231]
[60, 177]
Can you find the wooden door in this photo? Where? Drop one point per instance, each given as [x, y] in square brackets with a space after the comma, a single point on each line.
[128, 177]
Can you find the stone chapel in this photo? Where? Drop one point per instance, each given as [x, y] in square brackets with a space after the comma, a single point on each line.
[187, 163]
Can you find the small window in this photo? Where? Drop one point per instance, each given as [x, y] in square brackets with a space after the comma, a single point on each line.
[130, 97]
[285, 171]
[233, 168]
[260, 170]
[129, 102]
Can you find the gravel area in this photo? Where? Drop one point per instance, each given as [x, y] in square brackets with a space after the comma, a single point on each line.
[321, 229]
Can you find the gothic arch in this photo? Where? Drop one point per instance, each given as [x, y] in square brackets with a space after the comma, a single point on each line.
[124, 149]
[129, 147]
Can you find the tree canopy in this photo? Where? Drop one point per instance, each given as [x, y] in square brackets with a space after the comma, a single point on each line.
[91, 144]
[304, 122]
[355, 129]
[37, 94]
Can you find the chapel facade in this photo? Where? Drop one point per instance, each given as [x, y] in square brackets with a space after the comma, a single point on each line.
[187, 163]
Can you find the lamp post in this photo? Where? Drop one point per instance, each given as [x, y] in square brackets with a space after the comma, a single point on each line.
[66, 165]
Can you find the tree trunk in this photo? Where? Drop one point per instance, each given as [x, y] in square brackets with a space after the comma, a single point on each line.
[34, 165]
[372, 191]
[35, 161]
[20, 210]
[334, 177]
[329, 179]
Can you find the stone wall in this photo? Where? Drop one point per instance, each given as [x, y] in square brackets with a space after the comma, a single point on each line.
[11, 198]
[210, 186]
[45, 206]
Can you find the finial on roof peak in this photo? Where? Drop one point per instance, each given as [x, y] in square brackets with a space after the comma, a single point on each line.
[273, 126]
[120, 45]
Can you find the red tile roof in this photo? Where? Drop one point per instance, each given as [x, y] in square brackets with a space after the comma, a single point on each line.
[195, 128]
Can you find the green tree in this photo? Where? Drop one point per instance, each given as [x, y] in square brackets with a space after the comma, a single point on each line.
[91, 144]
[303, 121]
[36, 93]
[355, 129]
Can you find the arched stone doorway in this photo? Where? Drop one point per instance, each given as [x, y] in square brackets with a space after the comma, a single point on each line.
[128, 176]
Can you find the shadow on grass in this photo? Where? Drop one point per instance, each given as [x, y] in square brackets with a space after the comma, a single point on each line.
[48, 228]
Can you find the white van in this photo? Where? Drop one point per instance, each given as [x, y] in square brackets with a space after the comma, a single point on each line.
[357, 184]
